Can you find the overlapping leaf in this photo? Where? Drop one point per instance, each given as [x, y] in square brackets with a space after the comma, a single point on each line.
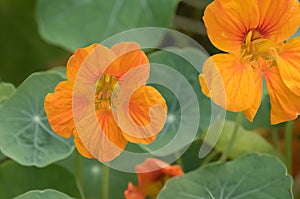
[73, 24]
[250, 176]
[25, 134]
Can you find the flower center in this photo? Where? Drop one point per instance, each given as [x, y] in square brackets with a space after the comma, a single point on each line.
[106, 88]
[257, 51]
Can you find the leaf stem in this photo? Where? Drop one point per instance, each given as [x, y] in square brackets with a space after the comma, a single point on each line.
[77, 173]
[238, 122]
[275, 139]
[105, 181]
[210, 157]
[288, 144]
[179, 161]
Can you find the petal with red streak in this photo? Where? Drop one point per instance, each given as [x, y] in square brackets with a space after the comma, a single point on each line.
[234, 19]
[279, 19]
[228, 83]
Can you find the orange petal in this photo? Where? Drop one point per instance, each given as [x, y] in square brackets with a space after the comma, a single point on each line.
[127, 61]
[99, 132]
[285, 105]
[144, 116]
[228, 83]
[80, 147]
[279, 19]
[58, 108]
[124, 47]
[94, 65]
[288, 62]
[133, 192]
[228, 21]
[152, 169]
[251, 112]
[77, 59]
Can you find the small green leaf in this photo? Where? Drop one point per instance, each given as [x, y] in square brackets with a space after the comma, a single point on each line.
[16, 179]
[250, 176]
[6, 91]
[45, 194]
[246, 141]
[25, 134]
[73, 24]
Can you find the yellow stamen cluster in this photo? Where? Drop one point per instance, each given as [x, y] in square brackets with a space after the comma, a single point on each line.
[257, 51]
[106, 88]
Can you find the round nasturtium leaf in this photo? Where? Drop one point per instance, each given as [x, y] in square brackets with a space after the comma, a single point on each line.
[16, 179]
[250, 176]
[25, 135]
[45, 194]
[76, 23]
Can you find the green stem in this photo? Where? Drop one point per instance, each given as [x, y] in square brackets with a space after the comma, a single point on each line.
[77, 173]
[288, 144]
[275, 139]
[238, 122]
[105, 181]
[210, 157]
[179, 161]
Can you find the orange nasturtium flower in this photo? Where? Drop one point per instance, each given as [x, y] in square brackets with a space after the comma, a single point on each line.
[254, 34]
[105, 103]
[152, 175]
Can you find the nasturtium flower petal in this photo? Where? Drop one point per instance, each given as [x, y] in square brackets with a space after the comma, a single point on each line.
[225, 76]
[80, 147]
[124, 47]
[228, 21]
[144, 115]
[152, 175]
[279, 19]
[285, 105]
[288, 61]
[58, 107]
[133, 192]
[127, 61]
[77, 59]
[257, 80]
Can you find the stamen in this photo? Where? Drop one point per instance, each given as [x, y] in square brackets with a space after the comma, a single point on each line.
[106, 88]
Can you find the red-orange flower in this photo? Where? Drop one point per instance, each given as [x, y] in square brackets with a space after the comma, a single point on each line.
[152, 175]
[254, 33]
[105, 103]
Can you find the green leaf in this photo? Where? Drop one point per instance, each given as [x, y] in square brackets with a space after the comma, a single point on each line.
[250, 176]
[174, 72]
[45, 194]
[6, 91]
[73, 24]
[246, 141]
[22, 51]
[92, 177]
[16, 179]
[25, 134]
